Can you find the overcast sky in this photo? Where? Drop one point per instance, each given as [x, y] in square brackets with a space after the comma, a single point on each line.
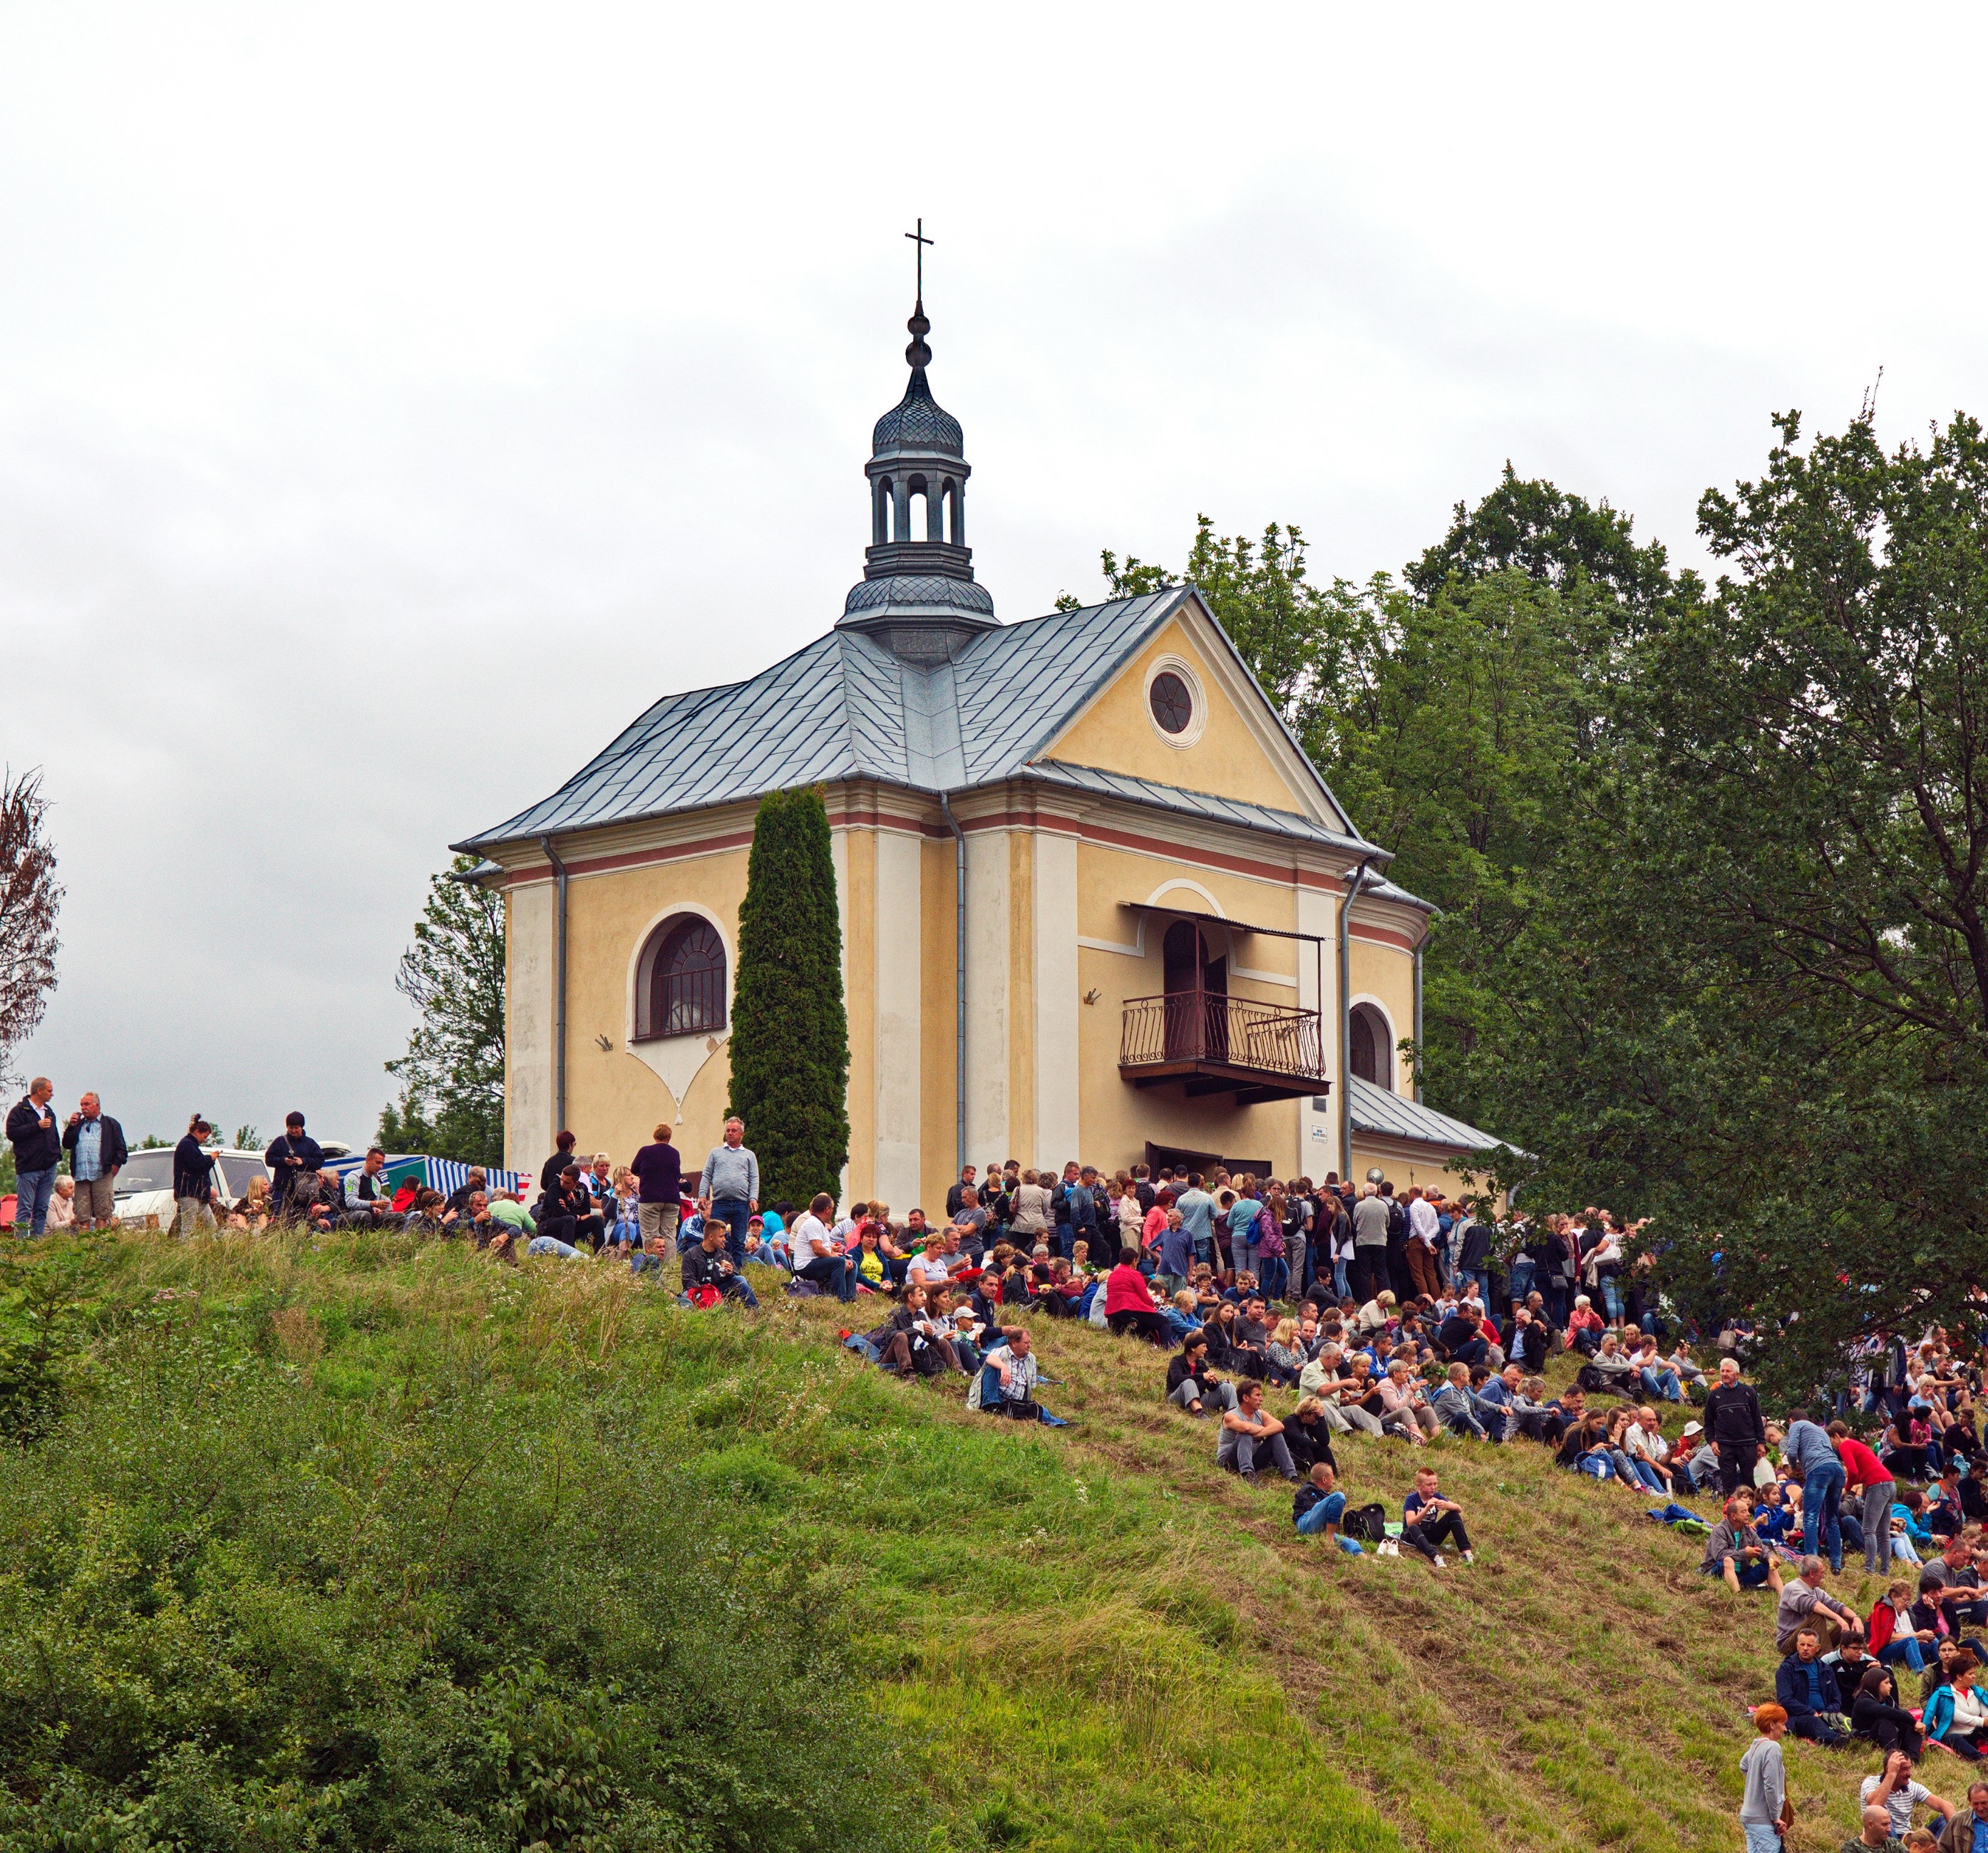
[395, 399]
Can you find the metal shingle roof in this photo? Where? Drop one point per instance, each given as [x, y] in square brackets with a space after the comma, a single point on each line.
[1373, 1109]
[1200, 804]
[844, 707]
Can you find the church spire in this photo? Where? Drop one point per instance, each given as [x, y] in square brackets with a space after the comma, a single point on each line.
[918, 595]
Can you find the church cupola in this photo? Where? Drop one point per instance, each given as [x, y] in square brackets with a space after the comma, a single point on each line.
[917, 596]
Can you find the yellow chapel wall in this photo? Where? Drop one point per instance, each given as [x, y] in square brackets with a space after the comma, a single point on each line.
[1118, 734]
[1118, 1119]
[1385, 974]
[939, 1022]
[614, 1100]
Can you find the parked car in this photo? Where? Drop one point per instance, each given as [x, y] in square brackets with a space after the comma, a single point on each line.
[144, 1186]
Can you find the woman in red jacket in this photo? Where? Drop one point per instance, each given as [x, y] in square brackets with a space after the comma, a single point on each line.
[1128, 1302]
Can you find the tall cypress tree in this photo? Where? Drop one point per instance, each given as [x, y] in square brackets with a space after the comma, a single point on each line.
[790, 1026]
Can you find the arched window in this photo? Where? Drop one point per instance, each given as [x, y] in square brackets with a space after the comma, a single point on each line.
[680, 983]
[1371, 1053]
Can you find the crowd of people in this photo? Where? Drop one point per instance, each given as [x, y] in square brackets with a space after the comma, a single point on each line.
[1405, 1314]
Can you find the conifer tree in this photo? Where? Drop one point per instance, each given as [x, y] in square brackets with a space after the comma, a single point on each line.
[790, 1026]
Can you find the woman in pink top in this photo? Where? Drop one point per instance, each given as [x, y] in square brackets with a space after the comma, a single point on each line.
[1128, 1302]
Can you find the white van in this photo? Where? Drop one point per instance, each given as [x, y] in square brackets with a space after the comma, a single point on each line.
[144, 1184]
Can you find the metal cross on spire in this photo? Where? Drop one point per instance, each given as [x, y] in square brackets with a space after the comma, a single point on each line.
[920, 242]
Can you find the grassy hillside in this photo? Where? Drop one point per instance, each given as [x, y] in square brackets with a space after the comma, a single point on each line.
[359, 1543]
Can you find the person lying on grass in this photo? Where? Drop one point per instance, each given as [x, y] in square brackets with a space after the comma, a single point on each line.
[1428, 1519]
[1317, 1506]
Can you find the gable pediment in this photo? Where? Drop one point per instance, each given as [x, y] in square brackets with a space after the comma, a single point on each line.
[1181, 711]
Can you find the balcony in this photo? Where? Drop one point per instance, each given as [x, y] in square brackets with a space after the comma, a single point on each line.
[1214, 1044]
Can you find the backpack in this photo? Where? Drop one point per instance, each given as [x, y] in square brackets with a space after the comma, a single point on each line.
[702, 1296]
[1366, 1523]
[1596, 1465]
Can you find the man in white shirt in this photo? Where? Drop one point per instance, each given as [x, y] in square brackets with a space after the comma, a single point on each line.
[817, 1256]
[1897, 1794]
[1423, 1227]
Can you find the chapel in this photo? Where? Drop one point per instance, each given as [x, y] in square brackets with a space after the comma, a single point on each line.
[1096, 903]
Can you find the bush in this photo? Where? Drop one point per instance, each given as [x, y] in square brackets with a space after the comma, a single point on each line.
[470, 1611]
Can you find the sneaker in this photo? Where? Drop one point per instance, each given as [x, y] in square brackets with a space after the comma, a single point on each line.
[1199, 1415]
[1470, 1556]
[1247, 1475]
[1436, 1562]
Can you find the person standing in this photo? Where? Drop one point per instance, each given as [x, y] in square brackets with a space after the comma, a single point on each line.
[1808, 1450]
[1197, 1211]
[31, 1131]
[1867, 1475]
[94, 1143]
[294, 1158]
[1370, 1243]
[730, 1188]
[1424, 1224]
[658, 1169]
[193, 1179]
[1734, 1425]
[1765, 1811]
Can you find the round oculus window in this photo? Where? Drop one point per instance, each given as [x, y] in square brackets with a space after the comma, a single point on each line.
[1172, 703]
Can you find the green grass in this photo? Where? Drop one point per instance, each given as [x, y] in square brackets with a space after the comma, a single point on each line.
[1083, 1639]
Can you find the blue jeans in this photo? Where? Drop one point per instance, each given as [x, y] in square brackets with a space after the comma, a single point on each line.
[1342, 1288]
[552, 1245]
[733, 1212]
[34, 1188]
[833, 1273]
[1481, 1277]
[1821, 1489]
[1328, 1511]
[1663, 1383]
[1761, 1836]
[1522, 1278]
[1275, 1277]
[1611, 1298]
[1908, 1651]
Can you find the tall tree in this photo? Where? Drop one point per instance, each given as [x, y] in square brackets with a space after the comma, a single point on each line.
[790, 1026]
[451, 1101]
[30, 899]
[1548, 534]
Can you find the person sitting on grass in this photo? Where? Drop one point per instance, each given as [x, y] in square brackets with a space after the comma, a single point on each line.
[1006, 1383]
[1966, 1829]
[1191, 1385]
[1875, 1712]
[1247, 1432]
[1308, 1436]
[1806, 1687]
[1956, 1717]
[1894, 1637]
[1584, 1327]
[1876, 1836]
[1803, 1602]
[1734, 1550]
[1609, 1371]
[1403, 1409]
[1461, 1411]
[709, 1277]
[1898, 1793]
[1428, 1519]
[1129, 1303]
[1182, 1316]
[1318, 1505]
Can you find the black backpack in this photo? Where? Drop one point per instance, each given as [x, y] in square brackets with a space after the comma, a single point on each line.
[1368, 1524]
